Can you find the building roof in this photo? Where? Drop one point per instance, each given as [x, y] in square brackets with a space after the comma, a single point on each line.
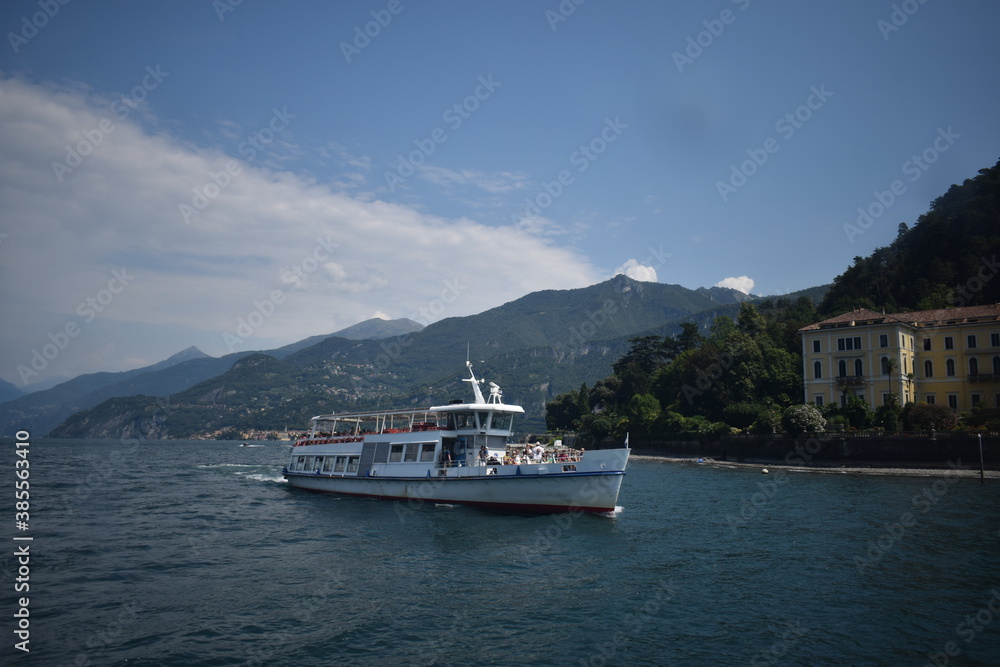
[917, 318]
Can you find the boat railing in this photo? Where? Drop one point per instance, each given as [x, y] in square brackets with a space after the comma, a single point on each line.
[562, 456]
[327, 440]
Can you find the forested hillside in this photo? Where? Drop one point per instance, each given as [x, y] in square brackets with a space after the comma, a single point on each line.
[744, 373]
[948, 258]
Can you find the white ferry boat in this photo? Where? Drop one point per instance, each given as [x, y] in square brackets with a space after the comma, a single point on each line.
[453, 454]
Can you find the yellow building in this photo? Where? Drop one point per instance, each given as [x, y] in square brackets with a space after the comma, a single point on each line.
[949, 356]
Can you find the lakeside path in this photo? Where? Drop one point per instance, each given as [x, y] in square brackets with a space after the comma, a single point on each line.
[968, 470]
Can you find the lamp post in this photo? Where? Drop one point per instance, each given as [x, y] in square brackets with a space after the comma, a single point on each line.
[982, 478]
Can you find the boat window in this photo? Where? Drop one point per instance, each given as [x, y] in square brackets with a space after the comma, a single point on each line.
[502, 420]
[352, 463]
[465, 420]
[411, 453]
[427, 452]
[339, 466]
[395, 453]
[328, 464]
[300, 463]
[484, 420]
[319, 462]
[309, 463]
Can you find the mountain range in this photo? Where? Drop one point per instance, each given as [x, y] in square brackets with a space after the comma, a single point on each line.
[41, 411]
[535, 347]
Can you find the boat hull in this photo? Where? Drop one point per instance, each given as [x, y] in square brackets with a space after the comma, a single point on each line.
[527, 488]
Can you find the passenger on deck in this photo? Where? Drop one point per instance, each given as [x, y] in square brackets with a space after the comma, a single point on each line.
[538, 453]
[445, 459]
[482, 454]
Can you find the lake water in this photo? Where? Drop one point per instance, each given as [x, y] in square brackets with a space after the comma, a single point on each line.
[197, 553]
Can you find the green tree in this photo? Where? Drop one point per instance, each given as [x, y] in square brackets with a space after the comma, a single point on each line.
[643, 411]
[635, 369]
[931, 416]
[688, 339]
[562, 412]
[858, 413]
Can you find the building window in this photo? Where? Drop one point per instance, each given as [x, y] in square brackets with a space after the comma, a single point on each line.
[842, 368]
[885, 399]
[928, 369]
[883, 340]
[858, 368]
[929, 399]
[819, 400]
[953, 401]
[973, 366]
[816, 345]
[817, 369]
[848, 344]
[949, 368]
[971, 339]
[976, 400]
[996, 366]
[949, 343]
[996, 400]
[885, 365]
[995, 340]
[927, 345]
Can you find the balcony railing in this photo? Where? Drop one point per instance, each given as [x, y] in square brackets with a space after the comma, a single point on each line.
[984, 377]
[850, 380]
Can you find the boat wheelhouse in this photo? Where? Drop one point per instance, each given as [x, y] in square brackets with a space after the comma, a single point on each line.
[456, 453]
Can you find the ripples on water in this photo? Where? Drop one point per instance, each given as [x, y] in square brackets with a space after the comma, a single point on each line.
[190, 553]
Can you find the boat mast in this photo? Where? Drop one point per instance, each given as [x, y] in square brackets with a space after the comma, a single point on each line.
[475, 383]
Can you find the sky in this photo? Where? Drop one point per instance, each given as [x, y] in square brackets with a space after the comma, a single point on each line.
[239, 175]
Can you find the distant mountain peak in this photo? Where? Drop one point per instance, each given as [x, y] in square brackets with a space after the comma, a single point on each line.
[725, 295]
[377, 328]
[185, 354]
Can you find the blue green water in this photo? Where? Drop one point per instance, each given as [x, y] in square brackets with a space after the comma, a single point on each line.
[194, 553]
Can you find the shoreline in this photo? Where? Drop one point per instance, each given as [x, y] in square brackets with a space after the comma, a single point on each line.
[878, 469]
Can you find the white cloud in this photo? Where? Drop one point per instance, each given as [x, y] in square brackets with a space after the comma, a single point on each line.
[331, 257]
[636, 271]
[741, 284]
[495, 183]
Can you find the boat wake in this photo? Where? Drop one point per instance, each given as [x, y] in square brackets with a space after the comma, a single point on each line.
[227, 465]
[263, 477]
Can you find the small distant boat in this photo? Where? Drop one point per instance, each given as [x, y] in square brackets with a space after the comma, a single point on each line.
[245, 444]
[453, 454]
